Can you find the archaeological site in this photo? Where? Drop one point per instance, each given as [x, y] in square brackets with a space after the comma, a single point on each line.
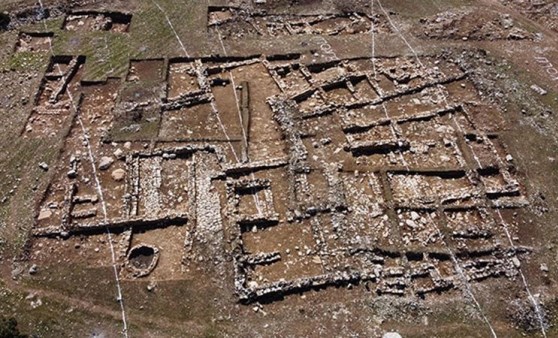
[279, 168]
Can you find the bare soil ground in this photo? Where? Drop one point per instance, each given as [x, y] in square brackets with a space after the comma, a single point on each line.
[287, 168]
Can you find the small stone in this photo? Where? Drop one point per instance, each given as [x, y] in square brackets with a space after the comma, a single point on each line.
[411, 224]
[252, 284]
[517, 33]
[35, 304]
[105, 162]
[516, 262]
[325, 141]
[167, 156]
[509, 158]
[118, 153]
[118, 175]
[539, 90]
[72, 174]
[128, 145]
[33, 269]
[44, 214]
[316, 260]
[544, 267]
[43, 166]
[392, 335]
[414, 215]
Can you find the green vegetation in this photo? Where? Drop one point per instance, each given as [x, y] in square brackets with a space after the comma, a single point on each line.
[49, 25]
[8, 328]
[25, 61]
[108, 53]
[423, 8]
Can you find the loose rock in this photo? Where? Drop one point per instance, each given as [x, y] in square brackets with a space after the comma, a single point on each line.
[118, 174]
[105, 162]
[44, 214]
[392, 335]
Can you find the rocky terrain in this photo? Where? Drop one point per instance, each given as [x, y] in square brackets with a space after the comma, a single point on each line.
[278, 168]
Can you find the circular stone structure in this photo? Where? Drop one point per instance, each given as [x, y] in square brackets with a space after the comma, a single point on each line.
[142, 259]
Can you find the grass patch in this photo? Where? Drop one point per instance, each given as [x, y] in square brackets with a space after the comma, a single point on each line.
[54, 318]
[418, 9]
[49, 25]
[17, 212]
[26, 61]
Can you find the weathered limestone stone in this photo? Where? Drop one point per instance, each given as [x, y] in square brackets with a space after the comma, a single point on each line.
[44, 214]
[118, 174]
[392, 335]
[118, 153]
[105, 162]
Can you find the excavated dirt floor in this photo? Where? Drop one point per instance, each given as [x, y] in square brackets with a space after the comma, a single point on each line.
[279, 168]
